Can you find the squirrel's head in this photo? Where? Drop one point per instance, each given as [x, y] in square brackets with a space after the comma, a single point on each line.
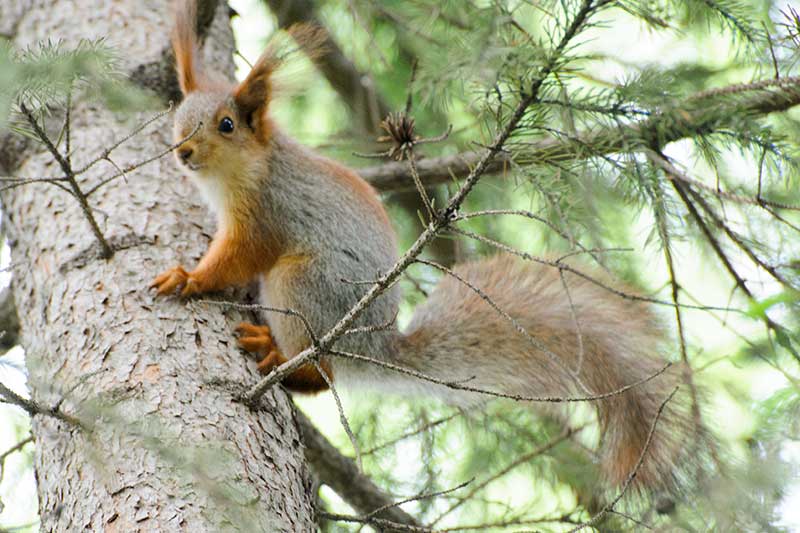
[227, 125]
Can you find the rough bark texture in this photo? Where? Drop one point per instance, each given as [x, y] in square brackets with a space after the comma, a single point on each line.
[167, 449]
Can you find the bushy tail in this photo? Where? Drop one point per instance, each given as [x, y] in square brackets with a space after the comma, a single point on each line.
[581, 340]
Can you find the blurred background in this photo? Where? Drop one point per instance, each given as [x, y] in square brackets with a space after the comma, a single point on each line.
[640, 57]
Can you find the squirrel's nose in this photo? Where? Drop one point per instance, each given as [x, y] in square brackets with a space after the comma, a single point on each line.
[185, 154]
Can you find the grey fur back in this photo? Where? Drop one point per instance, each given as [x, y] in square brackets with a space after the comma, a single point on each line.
[319, 216]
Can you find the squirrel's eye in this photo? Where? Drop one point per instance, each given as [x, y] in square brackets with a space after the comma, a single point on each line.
[225, 125]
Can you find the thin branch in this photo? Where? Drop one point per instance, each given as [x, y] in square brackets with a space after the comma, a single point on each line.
[715, 245]
[382, 524]
[342, 475]
[701, 112]
[675, 287]
[19, 182]
[423, 496]
[587, 277]
[342, 415]
[409, 434]
[104, 155]
[575, 321]
[33, 408]
[68, 127]
[522, 213]
[536, 343]
[106, 250]
[632, 519]
[737, 240]
[540, 450]
[442, 219]
[17, 447]
[459, 385]
[258, 307]
[673, 173]
[143, 162]
[632, 475]
[388, 325]
[792, 83]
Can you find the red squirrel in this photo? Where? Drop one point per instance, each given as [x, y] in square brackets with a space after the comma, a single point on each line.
[302, 225]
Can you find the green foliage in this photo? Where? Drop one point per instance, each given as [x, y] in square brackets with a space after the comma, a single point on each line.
[623, 97]
[44, 76]
[641, 63]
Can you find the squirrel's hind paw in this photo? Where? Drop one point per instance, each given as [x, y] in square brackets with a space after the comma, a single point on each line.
[254, 339]
[258, 340]
[270, 361]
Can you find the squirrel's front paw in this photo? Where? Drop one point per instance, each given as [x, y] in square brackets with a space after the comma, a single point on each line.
[168, 281]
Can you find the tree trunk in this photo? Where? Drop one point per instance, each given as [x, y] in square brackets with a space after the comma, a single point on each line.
[165, 447]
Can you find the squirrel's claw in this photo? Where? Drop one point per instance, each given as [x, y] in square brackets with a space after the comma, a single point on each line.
[258, 340]
[190, 287]
[168, 281]
[270, 361]
[254, 339]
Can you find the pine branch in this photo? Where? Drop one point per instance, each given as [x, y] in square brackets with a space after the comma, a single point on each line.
[698, 114]
[342, 475]
[356, 88]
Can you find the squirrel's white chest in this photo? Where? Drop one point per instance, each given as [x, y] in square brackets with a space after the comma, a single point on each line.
[213, 192]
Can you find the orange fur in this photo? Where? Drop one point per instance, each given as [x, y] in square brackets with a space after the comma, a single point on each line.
[291, 263]
[258, 340]
[361, 189]
[184, 44]
[253, 95]
[231, 259]
[305, 379]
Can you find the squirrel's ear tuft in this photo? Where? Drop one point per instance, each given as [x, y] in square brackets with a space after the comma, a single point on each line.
[253, 95]
[184, 44]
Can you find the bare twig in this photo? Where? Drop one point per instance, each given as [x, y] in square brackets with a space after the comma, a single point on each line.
[388, 325]
[32, 408]
[143, 162]
[408, 434]
[540, 450]
[701, 112]
[537, 344]
[675, 287]
[518, 212]
[459, 384]
[14, 182]
[424, 496]
[587, 277]
[258, 307]
[70, 176]
[715, 245]
[576, 322]
[342, 415]
[673, 173]
[382, 524]
[442, 219]
[18, 446]
[104, 155]
[632, 475]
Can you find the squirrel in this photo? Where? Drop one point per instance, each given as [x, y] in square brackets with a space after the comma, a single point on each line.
[302, 225]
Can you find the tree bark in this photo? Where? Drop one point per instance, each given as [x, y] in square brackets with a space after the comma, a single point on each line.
[164, 446]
